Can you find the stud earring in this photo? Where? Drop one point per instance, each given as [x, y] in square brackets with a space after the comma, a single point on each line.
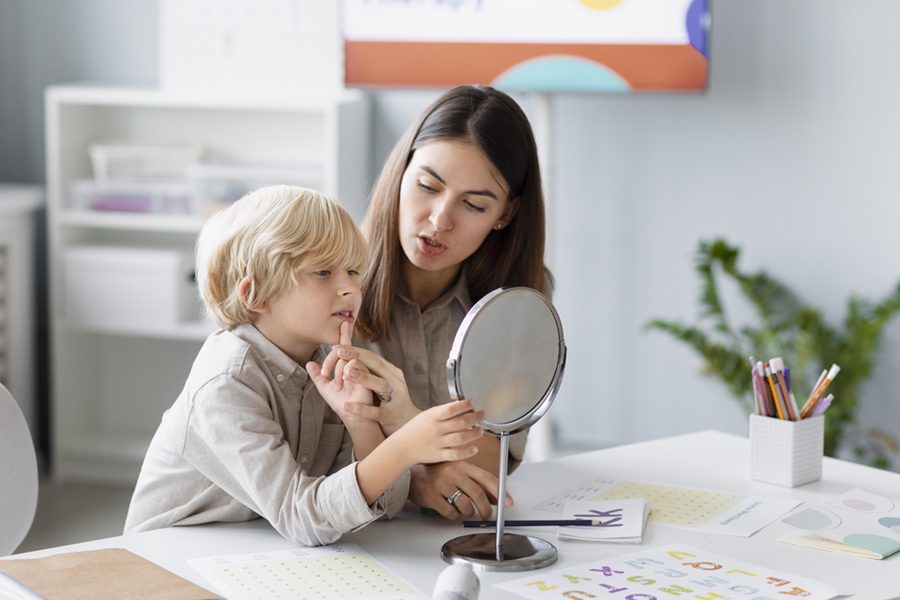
[498, 226]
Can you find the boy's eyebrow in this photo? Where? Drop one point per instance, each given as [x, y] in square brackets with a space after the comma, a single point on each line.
[487, 193]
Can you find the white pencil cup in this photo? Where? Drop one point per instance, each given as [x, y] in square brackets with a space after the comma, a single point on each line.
[787, 453]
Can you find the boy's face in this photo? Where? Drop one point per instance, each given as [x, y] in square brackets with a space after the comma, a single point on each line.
[310, 311]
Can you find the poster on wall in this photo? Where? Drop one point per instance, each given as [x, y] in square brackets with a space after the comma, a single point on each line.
[527, 45]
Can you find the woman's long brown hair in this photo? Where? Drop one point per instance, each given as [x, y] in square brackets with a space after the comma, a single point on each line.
[512, 256]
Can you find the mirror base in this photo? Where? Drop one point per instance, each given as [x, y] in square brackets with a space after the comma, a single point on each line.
[479, 551]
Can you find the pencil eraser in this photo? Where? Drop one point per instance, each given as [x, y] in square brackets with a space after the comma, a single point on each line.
[834, 371]
[777, 364]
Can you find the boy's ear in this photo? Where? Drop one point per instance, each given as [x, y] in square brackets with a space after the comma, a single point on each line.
[246, 292]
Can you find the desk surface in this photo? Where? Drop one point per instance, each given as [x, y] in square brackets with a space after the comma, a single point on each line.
[410, 544]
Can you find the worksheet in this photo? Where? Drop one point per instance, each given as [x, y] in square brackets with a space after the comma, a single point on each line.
[673, 570]
[695, 509]
[341, 571]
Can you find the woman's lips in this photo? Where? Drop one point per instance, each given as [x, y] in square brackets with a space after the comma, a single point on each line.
[430, 246]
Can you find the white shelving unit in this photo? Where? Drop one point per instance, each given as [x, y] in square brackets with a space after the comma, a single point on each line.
[112, 382]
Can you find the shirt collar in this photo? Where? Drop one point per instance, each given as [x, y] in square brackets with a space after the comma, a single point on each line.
[458, 292]
[272, 355]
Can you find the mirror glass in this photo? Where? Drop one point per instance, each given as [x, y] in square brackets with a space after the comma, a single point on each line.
[507, 357]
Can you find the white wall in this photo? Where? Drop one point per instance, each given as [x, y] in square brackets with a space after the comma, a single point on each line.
[793, 154]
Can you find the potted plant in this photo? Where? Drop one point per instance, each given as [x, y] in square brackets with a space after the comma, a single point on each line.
[796, 331]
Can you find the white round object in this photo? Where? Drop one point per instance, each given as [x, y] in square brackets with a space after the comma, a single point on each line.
[19, 474]
[456, 582]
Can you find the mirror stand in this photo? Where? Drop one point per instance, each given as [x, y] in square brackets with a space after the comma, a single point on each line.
[500, 551]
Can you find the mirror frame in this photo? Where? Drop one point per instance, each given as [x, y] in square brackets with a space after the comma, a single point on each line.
[454, 362]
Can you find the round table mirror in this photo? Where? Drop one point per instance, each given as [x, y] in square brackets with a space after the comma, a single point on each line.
[508, 358]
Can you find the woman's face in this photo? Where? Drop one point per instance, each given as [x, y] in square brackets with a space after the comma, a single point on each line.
[451, 198]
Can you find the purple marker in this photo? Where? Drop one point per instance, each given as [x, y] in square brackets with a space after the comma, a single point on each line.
[822, 405]
[787, 377]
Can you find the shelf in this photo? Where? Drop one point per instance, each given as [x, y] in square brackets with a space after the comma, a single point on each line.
[155, 98]
[188, 331]
[95, 219]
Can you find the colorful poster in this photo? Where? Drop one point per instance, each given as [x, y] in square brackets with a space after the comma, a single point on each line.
[695, 509]
[667, 572]
[527, 45]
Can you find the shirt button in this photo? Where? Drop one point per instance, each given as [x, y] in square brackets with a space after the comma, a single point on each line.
[280, 377]
[304, 458]
[419, 369]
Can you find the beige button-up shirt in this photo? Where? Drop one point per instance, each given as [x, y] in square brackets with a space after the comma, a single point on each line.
[250, 436]
[418, 342]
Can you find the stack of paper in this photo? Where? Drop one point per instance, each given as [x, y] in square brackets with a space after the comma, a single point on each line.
[857, 522]
[616, 520]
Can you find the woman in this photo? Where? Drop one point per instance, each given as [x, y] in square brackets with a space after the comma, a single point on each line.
[457, 212]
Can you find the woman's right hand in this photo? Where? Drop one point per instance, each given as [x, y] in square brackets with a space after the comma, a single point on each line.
[372, 371]
[431, 485]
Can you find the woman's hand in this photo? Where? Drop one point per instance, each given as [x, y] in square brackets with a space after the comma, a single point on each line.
[364, 367]
[431, 485]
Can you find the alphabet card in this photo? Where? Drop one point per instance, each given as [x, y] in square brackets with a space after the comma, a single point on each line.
[615, 520]
[667, 572]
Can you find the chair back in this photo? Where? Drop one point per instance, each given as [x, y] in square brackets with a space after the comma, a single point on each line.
[18, 475]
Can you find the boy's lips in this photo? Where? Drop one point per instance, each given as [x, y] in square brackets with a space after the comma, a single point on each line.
[345, 314]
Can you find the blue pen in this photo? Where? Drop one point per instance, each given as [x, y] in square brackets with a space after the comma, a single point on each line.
[787, 377]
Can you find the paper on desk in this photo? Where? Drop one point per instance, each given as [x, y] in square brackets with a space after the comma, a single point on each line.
[857, 522]
[694, 509]
[108, 573]
[340, 571]
[666, 572]
[618, 520]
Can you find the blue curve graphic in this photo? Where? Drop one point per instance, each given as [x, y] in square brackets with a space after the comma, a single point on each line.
[560, 74]
[696, 22]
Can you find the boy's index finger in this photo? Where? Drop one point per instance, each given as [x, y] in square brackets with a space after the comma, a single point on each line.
[346, 334]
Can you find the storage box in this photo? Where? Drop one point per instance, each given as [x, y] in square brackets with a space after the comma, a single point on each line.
[133, 162]
[132, 197]
[216, 186]
[127, 288]
[787, 453]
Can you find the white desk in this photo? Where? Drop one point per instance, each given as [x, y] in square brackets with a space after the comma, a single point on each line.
[410, 544]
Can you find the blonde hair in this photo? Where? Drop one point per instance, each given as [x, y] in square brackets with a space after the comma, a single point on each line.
[263, 239]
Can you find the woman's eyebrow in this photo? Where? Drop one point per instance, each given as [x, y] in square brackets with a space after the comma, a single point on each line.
[487, 193]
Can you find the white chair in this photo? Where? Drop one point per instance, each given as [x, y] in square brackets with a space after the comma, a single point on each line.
[18, 475]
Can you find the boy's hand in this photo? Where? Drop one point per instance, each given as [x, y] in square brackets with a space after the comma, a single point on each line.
[441, 433]
[339, 392]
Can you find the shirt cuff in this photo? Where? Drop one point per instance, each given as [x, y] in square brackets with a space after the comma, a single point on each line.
[342, 502]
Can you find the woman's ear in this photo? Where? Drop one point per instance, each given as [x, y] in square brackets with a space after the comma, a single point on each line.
[246, 292]
[509, 211]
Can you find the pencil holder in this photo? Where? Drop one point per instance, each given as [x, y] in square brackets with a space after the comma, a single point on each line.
[787, 453]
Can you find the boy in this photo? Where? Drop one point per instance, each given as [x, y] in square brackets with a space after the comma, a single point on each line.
[253, 433]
